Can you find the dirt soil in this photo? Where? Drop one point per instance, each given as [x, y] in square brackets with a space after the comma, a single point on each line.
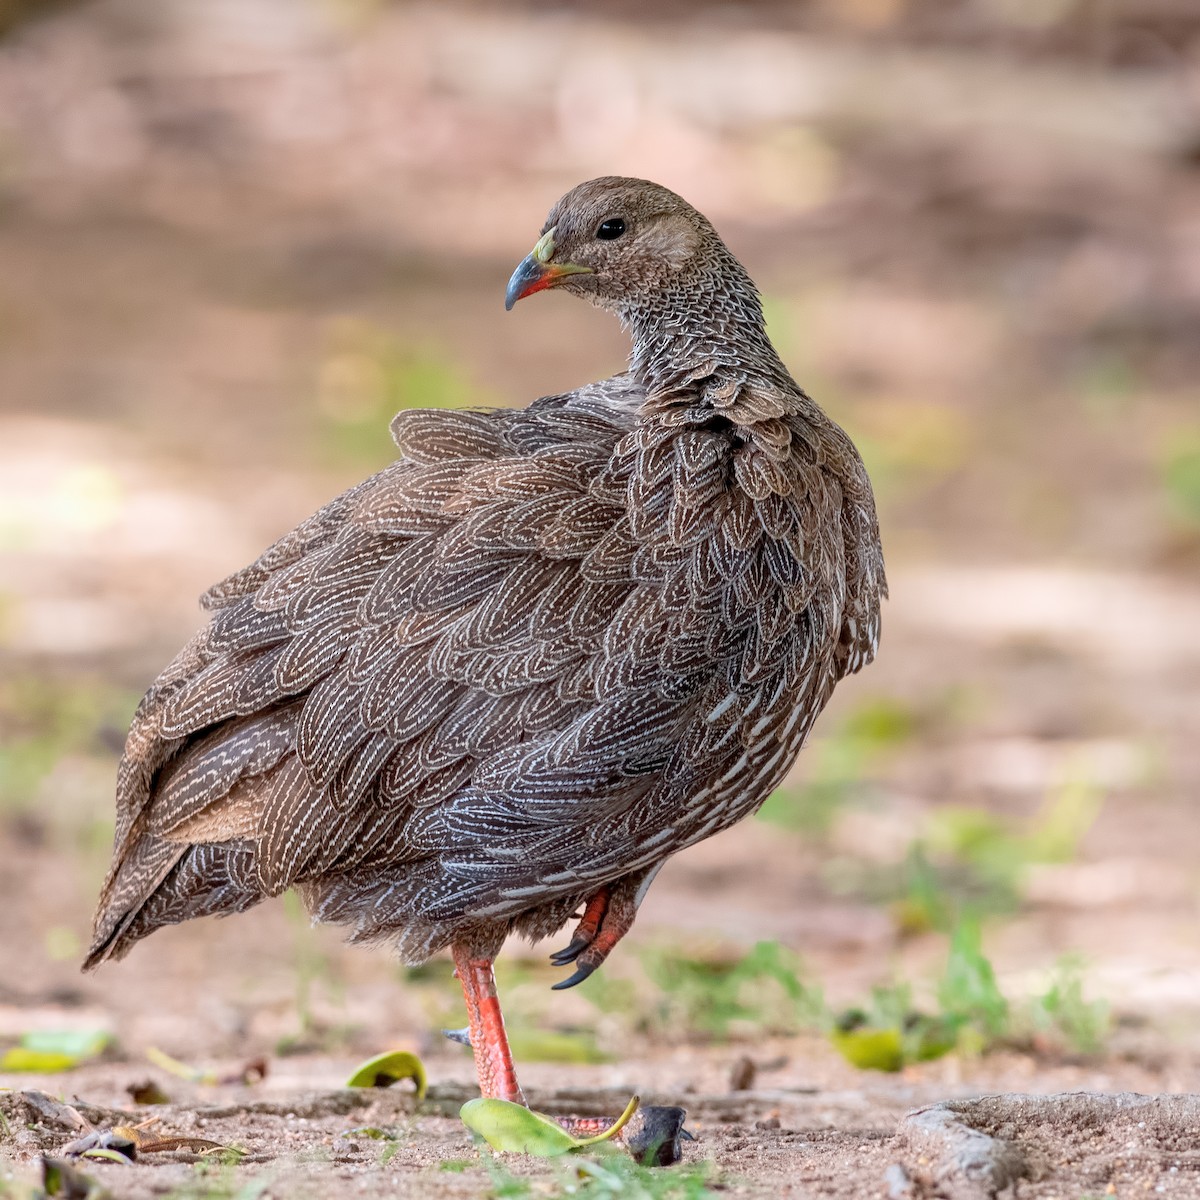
[785, 1141]
[236, 237]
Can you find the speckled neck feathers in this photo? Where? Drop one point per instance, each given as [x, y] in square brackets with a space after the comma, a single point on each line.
[702, 344]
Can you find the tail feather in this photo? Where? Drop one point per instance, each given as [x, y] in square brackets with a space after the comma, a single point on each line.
[189, 805]
[200, 758]
[129, 886]
[164, 883]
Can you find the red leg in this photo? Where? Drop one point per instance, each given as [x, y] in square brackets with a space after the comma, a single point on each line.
[606, 919]
[586, 930]
[493, 1058]
[653, 1134]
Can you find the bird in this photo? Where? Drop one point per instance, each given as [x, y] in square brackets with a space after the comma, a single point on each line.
[493, 688]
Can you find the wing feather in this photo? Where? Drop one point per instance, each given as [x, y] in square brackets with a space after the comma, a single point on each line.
[542, 649]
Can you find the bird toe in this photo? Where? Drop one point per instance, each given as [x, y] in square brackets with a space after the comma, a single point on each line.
[581, 973]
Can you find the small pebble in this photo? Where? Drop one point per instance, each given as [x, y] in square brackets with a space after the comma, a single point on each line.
[899, 1183]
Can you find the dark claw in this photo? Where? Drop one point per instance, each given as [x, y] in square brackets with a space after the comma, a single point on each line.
[687, 1133]
[461, 1036]
[581, 973]
[569, 953]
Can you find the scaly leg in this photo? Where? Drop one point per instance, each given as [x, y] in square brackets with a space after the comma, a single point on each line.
[653, 1134]
[586, 930]
[493, 1058]
[607, 918]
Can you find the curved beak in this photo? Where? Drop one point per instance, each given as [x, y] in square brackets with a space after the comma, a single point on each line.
[536, 272]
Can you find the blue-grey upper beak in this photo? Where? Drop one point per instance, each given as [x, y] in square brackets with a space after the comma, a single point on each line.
[525, 280]
[537, 272]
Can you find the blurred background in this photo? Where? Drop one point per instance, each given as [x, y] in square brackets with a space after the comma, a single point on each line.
[237, 235]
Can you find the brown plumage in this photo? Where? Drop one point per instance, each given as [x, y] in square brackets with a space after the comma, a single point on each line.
[537, 655]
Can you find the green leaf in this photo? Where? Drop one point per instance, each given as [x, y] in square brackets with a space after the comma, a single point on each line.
[59, 1178]
[870, 1049]
[107, 1155]
[519, 1130]
[173, 1066]
[79, 1043]
[513, 1127]
[20, 1059]
[50, 1050]
[889, 1034]
[385, 1069]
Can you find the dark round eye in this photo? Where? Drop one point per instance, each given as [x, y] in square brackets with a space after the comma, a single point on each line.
[612, 228]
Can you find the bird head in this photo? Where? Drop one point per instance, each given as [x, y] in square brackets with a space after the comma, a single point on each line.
[621, 243]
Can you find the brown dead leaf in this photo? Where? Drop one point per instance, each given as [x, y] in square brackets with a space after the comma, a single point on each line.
[255, 1071]
[146, 1091]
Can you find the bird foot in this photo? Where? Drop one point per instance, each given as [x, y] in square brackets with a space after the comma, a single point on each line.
[607, 918]
[652, 1136]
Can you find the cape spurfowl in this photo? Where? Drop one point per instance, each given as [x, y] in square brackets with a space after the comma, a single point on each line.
[506, 678]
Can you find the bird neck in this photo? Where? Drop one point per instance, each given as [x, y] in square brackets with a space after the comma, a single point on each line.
[706, 330]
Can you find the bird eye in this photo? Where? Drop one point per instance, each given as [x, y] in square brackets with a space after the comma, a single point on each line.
[612, 228]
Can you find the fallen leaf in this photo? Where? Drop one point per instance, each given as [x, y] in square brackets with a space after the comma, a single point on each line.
[889, 1047]
[182, 1142]
[255, 1071]
[39, 1061]
[108, 1154]
[385, 1069]
[870, 1049]
[122, 1140]
[53, 1114]
[59, 1178]
[519, 1130]
[50, 1050]
[181, 1069]
[147, 1092]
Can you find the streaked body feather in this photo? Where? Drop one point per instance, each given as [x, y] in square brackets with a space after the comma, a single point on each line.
[541, 652]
